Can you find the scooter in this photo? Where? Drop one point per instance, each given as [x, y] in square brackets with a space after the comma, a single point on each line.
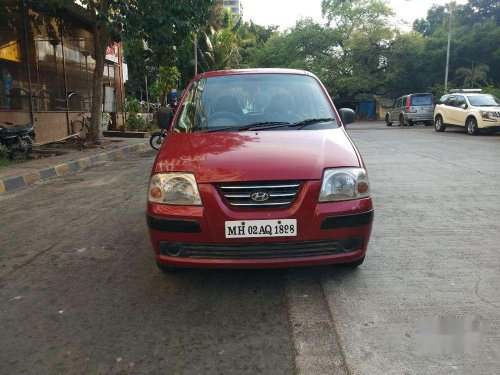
[18, 139]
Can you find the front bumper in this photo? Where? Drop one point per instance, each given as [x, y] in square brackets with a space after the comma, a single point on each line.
[194, 237]
[489, 125]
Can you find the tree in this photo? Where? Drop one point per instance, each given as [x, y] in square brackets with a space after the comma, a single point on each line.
[167, 80]
[150, 20]
[475, 74]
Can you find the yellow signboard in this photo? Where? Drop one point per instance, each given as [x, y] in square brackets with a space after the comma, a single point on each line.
[10, 51]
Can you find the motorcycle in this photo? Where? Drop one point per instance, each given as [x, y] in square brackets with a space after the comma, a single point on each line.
[166, 114]
[18, 139]
[157, 139]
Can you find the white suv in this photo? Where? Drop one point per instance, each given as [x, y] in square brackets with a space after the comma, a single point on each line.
[470, 109]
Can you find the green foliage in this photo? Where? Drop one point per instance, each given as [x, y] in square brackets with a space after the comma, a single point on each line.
[132, 106]
[166, 81]
[495, 91]
[134, 121]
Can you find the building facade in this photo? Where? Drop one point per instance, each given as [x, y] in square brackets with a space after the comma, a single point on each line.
[235, 5]
[46, 69]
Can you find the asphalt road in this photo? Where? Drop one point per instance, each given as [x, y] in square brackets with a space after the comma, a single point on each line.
[80, 294]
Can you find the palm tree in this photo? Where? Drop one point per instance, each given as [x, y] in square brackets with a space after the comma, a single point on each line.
[476, 74]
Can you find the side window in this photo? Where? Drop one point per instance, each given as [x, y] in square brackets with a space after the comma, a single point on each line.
[395, 105]
[451, 101]
[404, 100]
[460, 100]
[186, 119]
[400, 100]
[443, 99]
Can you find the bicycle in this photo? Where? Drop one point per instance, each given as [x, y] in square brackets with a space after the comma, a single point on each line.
[81, 127]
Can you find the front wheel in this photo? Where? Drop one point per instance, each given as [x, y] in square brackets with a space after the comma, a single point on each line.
[156, 140]
[387, 121]
[438, 124]
[471, 126]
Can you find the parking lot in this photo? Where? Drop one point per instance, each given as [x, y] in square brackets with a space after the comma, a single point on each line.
[80, 294]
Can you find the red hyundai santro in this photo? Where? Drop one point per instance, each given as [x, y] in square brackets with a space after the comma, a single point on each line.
[257, 171]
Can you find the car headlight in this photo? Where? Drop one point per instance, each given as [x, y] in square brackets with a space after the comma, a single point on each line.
[486, 115]
[174, 188]
[342, 184]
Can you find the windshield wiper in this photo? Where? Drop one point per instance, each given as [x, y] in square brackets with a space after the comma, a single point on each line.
[301, 124]
[257, 125]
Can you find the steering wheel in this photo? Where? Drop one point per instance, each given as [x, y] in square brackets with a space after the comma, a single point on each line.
[225, 119]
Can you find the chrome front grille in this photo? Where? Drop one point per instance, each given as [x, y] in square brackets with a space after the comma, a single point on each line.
[272, 194]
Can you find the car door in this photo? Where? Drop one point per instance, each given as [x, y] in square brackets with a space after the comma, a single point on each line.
[448, 110]
[460, 110]
[393, 111]
[397, 110]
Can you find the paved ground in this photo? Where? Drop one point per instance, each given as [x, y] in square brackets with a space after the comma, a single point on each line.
[79, 293]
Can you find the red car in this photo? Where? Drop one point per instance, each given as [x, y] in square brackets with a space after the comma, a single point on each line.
[257, 170]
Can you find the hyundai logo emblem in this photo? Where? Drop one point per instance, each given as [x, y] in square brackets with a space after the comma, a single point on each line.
[260, 196]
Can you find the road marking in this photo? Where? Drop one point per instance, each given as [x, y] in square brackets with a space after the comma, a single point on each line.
[316, 345]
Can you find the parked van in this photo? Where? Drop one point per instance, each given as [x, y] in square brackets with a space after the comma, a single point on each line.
[411, 109]
[257, 170]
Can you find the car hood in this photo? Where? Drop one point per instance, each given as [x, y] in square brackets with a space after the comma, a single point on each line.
[256, 156]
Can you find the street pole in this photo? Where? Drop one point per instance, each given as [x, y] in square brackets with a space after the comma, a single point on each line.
[147, 92]
[195, 54]
[448, 52]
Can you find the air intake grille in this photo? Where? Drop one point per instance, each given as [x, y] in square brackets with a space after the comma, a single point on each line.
[257, 250]
[252, 195]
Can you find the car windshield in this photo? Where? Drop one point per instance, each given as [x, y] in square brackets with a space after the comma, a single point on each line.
[250, 101]
[417, 100]
[483, 100]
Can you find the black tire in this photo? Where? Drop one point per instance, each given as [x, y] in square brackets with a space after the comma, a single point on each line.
[401, 121]
[471, 126]
[387, 122]
[411, 123]
[167, 269]
[156, 140]
[355, 264]
[439, 125]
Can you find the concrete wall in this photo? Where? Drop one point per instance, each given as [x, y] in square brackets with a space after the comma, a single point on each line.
[49, 126]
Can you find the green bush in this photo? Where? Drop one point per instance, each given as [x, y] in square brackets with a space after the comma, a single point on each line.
[151, 126]
[136, 123]
[132, 106]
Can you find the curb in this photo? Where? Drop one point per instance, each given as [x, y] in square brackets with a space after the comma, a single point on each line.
[10, 184]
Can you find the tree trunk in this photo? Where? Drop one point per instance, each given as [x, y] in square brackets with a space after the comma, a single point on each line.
[101, 41]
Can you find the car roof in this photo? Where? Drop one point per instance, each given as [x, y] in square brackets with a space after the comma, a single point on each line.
[217, 73]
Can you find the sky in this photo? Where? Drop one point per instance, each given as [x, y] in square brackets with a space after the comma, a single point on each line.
[286, 12]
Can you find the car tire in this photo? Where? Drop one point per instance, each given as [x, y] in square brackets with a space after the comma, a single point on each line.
[387, 122]
[471, 126]
[167, 269]
[356, 263]
[439, 125]
[410, 123]
[401, 121]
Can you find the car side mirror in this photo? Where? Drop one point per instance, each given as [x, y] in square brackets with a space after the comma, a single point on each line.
[463, 105]
[164, 117]
[347, 115]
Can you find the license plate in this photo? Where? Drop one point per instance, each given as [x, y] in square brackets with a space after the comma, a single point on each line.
[261, 228]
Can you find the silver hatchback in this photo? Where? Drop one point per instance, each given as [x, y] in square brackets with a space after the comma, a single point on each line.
[410, 109]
